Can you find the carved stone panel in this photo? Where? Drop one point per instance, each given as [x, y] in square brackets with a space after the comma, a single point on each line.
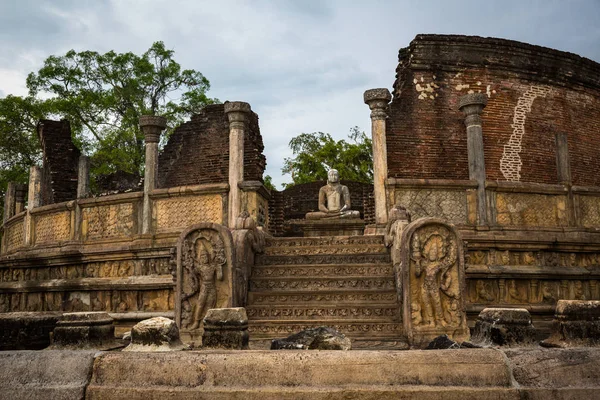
[589, 210]
[109, 221]
[15, 235]
[179, 212]
[520, 209]
[53, 227]
[450, 205]
[433, 282]
[204, 276]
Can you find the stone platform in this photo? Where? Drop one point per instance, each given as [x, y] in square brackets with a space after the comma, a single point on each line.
[289, 374]
[331, 227]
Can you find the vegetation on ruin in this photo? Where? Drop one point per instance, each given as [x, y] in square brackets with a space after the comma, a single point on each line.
[103, 96]
[315, 153]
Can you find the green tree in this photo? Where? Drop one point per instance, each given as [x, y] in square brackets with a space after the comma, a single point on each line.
[103, 96]
[314, 153]
[19, 146]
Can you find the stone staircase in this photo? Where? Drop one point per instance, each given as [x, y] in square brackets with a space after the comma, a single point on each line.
[343, 282]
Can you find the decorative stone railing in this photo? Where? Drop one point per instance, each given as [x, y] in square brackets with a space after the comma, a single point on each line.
[115, 218]
[510, 205]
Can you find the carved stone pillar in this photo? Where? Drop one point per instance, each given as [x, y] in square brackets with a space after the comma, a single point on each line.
[472, 105]
[9, 200]
[237, 112]
[151, 126]
[83, 177]
[378, 100]
[34, 199]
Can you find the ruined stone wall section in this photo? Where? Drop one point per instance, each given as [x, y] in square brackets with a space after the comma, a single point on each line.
[198, 151]
[534, 93]
[61, 158]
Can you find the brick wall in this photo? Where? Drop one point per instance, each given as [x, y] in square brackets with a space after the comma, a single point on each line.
[198, 151]
[295, 202]
[533, 93]
[61, 161]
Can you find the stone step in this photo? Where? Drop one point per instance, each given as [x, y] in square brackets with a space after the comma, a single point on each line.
[262, 329]
[310, 270]
[325, 249]
[274, 242]
[324, 283]
[343, 259]
[273, 298]
[380, 312]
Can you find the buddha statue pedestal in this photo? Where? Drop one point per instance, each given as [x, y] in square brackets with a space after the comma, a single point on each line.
[331, 227]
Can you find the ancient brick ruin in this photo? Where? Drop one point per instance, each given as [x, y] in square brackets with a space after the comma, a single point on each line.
[486, 195]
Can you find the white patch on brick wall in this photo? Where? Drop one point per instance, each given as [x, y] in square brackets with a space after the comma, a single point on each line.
[510, 163]
[426, 90]
[460, 87]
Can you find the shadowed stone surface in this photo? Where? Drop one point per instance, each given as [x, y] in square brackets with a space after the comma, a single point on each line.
[442, 342]
[504, 327]
[26, 330]
[44, 375]
[226, 328]
[155, 334]
[321, 338]
[576, 323]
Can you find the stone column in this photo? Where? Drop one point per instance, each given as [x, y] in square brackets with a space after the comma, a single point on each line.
[20, 198]
[9, 201]
[34, 200]
[83, 177]
[238, 113]
[151, 126]
[378, 100]
[472, 105]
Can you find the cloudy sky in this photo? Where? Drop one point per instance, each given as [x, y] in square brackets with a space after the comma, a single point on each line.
[303, 65]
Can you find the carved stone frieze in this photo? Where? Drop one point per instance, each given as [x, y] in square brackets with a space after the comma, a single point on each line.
[53, 227]
[332, 312]
[433, 282]
[274, 243]
[359, 270]
[100, 269]
[322, 284]
[108, 221]
[204, 275]
[293, 251]
[347, 328]
[494, 257]
[180, 212]
[260, 298]
[530, 291]
[117, 301]
[324, 259]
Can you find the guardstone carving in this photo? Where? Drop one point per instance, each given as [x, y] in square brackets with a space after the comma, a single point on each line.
[204, 276]
[433, 282]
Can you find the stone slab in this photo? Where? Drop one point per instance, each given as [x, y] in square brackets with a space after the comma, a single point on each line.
[46, 374]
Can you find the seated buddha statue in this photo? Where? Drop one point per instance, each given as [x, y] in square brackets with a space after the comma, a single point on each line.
[334, 200]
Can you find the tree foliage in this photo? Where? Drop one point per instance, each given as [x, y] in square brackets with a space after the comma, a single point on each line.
[103, 96]
[315, 153]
